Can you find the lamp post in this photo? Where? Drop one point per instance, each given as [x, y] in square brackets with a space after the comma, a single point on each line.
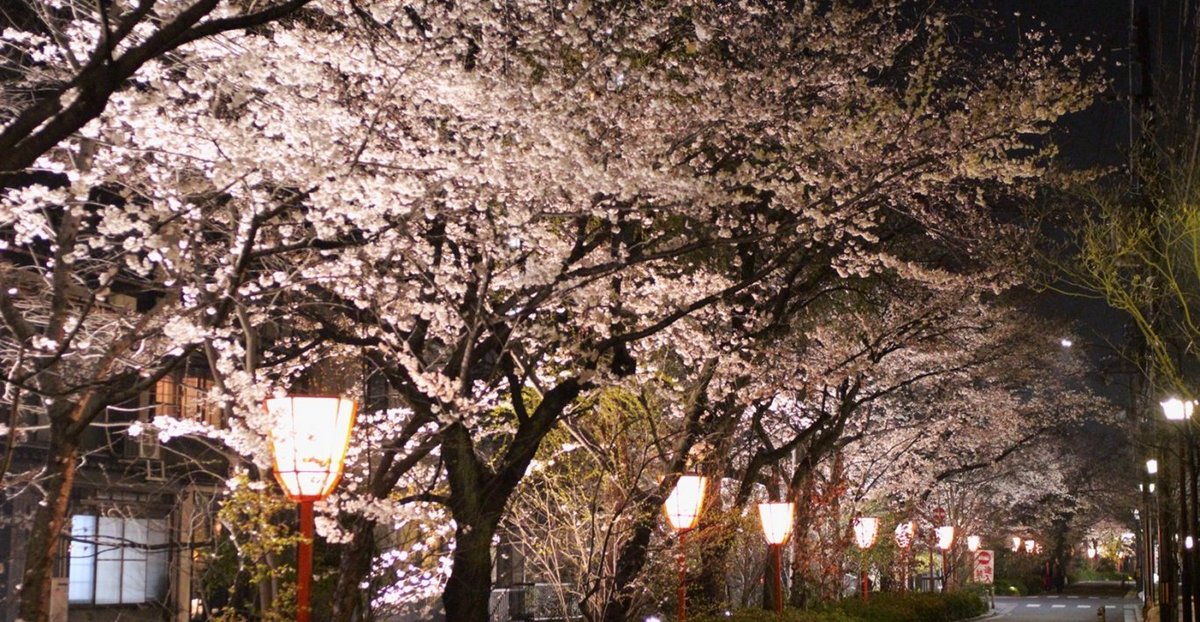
[866, 528]
[905, 532]
[308, 449]
[945, 539]
[777, 526]
[683, 510]
[1175, 409]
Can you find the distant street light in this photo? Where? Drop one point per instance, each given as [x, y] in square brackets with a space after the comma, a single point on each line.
[308, 448]
[866, 528]
[1016, 543]
[1152, 466]
[683, 510]
[777, 521]
[1029, 546]
[1066, 343]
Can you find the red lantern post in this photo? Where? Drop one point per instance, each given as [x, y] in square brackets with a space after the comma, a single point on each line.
[308, 450]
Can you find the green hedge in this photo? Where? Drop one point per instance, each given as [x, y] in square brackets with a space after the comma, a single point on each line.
[882, 607]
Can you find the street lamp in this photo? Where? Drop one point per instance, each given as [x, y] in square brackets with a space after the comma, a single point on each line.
[683, 510]
[1152, 466]
[777, 521]
[1029, 546]
[945, 539]
[1016, 543]
[972, 543]
[308, 443]
[906, 531]
[866, 528]
[1175, 409]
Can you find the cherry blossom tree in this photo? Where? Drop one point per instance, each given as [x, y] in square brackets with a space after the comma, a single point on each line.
[504, 208]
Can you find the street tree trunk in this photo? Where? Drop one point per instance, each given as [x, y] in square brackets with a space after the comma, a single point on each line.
[354, 566]
[48, 523]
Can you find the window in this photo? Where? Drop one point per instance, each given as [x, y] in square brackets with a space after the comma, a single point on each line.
[117, 561]
[186, 398]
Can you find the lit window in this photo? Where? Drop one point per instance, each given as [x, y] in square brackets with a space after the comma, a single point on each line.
[117, 561]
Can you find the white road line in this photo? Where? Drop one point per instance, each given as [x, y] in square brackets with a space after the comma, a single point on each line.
[1057, 606]
[1083, 606]
[1034, 605]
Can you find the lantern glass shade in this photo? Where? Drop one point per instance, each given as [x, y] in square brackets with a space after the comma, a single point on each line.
[972, 543]
[1152, 466]
[1176, 409]
[1091, 552]
[904, 534]
[865, 530]
[1029, 545]
[1016, 544]
[776, 521]
[683, 505]
[945, 537]
[309, 442]
[1189, 542]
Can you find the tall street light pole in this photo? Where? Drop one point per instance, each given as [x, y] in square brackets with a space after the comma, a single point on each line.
[1180, 411]
[308, 449]
[683, 510]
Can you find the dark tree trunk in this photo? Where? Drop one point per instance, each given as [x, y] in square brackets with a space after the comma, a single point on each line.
[48, 523]
[354, 566]
[470, 585]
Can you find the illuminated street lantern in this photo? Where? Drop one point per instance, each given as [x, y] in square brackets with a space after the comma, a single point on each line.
[777, 519]
[1029, 546]
[972, 543]
[683, 505]
[1016, 543]
[945, 537]
[1152, 466]
[1091, 552]
[682, 508]
[308, 441]
[866, 528]
[905, 532]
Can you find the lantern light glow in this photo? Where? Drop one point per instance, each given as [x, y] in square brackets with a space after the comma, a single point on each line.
[683, 505]
[776, 521]
[1029, 545]
[1091, 552]
[1152, 466]
[945, 537]
[309, 442]
[905, 532]
[866, 528]
[972, 543]
[1016, 544]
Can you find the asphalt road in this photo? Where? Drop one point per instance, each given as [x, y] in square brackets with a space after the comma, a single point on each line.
[1079, 604]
